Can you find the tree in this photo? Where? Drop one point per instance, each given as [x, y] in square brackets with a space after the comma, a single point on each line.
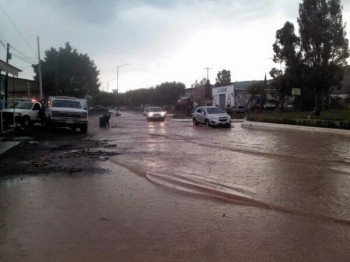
[313, 61]
[66, 72]
[165, 94]
[105, 99]
[324, 44]
[223, 78]
[258, 94]
[168, 93]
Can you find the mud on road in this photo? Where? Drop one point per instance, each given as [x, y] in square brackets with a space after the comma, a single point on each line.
[60, 151]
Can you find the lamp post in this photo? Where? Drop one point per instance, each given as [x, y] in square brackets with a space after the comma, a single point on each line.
[117, 84]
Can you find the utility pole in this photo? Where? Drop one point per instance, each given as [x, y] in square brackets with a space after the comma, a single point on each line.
[8, 57]
[40, 78]
[118, 86]
[207, 68]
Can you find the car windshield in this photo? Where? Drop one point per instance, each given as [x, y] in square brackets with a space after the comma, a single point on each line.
[155, 109]
[24, 105]
[66, 103]
[215, 110]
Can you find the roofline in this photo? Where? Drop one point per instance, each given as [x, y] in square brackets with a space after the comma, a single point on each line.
[9, 68]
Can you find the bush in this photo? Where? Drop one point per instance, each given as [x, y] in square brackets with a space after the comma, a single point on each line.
[302, 122]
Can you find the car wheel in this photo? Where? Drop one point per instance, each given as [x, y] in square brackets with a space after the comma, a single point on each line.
[25, 121]
[195, 123]
[207, 124]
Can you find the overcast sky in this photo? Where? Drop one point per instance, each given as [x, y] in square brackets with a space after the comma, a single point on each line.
[160, 40]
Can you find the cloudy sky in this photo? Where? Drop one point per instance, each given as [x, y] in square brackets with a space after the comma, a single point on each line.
[160, 40]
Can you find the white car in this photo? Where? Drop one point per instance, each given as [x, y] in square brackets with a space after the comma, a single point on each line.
[155, 113]
[211, 116]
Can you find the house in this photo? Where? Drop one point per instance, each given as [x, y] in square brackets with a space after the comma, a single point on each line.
[18, 89]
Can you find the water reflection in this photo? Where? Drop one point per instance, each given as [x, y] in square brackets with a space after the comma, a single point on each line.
[296, 171]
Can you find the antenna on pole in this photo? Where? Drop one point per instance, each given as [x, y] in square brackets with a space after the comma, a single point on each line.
[40, 77]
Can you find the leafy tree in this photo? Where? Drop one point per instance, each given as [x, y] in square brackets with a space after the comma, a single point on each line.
[223, 78]
[313, 61]
[105, 99]
[165, 94]
[66, 72]
[168, 93]
[323, 43]
[202, 91]
[257, 90]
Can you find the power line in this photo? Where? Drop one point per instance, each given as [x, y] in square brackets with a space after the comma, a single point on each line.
[18, 31]
[22, 55]
[24, 59]
[2, 44]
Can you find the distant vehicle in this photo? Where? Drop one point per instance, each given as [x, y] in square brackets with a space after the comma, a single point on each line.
[25, 112]
[211, 116]
[155, 113]
[66, 112]
[99, 108]
[237, 109]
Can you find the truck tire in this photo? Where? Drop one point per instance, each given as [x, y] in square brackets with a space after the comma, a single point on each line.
[83, 129]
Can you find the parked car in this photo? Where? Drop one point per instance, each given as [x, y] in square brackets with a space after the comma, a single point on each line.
[211, 116]
[25, 112]
[155, 113]
[66, 112]
[237, 109]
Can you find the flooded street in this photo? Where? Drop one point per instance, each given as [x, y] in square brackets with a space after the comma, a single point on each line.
[300, 173]
[175, 192]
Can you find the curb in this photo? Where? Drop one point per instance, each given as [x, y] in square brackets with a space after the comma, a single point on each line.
[294, 128]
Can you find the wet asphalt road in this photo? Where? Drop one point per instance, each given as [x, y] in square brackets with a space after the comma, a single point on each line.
[173, 192]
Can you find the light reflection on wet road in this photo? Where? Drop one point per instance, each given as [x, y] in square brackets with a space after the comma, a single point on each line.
[301, 173]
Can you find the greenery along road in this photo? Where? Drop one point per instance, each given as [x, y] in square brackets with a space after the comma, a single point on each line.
[333, 118]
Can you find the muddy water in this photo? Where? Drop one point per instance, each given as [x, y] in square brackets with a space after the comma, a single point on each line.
[193, 194]
[299, 173]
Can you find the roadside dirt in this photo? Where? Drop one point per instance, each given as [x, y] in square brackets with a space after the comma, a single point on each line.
[42, 152]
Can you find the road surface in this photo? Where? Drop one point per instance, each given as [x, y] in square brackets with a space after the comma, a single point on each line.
[154, 191]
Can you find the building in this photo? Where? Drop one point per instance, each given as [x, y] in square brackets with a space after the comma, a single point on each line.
[18, 89]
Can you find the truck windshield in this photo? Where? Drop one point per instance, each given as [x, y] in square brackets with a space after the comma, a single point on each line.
[155, 109]
[66, 103]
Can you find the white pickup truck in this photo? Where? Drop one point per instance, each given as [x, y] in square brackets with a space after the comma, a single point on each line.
[25, 113]
[66, 112]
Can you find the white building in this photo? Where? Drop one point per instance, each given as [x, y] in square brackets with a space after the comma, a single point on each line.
[223, 96]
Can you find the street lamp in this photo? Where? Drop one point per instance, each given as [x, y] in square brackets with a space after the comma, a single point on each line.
[117, 84]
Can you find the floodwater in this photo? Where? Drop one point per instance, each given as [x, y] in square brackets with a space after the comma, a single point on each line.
[301, 173]
[182, 193]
